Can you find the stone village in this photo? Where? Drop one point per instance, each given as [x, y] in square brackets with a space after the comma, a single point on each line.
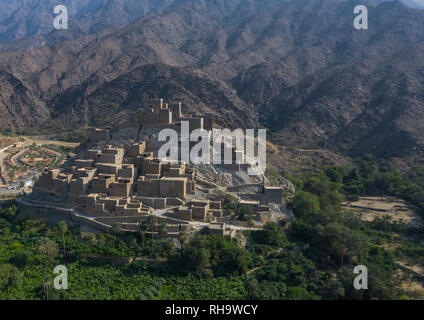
[111, 181]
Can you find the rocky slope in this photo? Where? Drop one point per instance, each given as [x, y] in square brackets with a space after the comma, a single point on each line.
[298, 66]
[29, 23]
[119, 100]
[19, 107]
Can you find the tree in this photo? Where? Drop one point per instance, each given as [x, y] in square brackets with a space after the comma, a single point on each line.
[244, 212]
[195, 257]
[10, 212]
[47, 284]
[236, 259]
[297, 293]
[182, 238]
[252, 288]
[305, 203]
[47, 247]
[142, 227]
[229, 202]
[273, 235]
[163, 231]
[9, 276]
[63, 227]
[11, 174]
[116, 228]
[21, 259]
[336, 174]
[342, 242]
[152, 222]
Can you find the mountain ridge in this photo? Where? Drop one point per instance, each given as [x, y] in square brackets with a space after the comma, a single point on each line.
[299, 67]
[29, 24]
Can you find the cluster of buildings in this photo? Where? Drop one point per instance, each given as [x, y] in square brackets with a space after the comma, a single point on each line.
[127, 182]
[163, 115]
[121, 181]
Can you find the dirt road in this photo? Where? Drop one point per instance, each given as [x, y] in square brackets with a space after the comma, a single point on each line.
[40, 140]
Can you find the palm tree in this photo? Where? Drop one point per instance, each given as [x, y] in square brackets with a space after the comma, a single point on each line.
[48, 248]
[142, 228]
[116, 228]
[63, 227]
[163, 231]
[182, 237]
[152, 222]
[47, 284]
[252, 288]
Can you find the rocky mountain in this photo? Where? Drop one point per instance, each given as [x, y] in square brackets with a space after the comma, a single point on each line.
[27, 24]
[19, 107]
[117, 101]
[417, 4]
[298, 67]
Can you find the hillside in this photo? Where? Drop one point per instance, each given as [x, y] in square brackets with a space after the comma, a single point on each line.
[29, 24]
[299, 66]
[19, 107]
[119, 100]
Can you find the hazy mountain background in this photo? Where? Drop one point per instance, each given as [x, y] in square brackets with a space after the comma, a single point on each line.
[419, 4]
[26, 24]
[296, 67]
[29, 23]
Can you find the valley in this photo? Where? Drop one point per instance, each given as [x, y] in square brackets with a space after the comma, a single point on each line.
[112, 132]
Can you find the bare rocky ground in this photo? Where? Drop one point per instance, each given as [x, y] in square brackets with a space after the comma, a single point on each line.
[412, 280]
[397, 209]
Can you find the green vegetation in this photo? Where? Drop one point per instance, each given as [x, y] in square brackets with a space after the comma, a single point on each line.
[244, 213]
[336, 240]
[229, 202]
[310, 258]
[372, 176]
[30, 249]
[211, 255]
